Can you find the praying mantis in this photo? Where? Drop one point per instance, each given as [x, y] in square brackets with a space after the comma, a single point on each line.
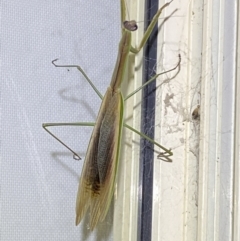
[99, 171]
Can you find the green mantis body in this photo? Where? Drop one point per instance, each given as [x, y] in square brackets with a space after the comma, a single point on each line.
[99, 171]
[98, 176]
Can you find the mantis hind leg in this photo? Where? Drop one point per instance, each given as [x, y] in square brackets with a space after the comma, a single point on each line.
[46, 125]
[166, 154]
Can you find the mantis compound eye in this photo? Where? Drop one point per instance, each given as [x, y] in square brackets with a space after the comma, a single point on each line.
[130, 25]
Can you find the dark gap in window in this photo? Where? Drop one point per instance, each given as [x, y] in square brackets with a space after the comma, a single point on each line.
[148, 123]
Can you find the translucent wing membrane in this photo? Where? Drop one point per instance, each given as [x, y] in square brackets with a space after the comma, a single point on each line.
[99, 172]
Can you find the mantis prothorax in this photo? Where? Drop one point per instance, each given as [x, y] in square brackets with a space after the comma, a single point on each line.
[98, 176]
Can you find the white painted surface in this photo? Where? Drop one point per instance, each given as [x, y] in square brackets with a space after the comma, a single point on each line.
[176, 184]
[196, 197]
[216, 183]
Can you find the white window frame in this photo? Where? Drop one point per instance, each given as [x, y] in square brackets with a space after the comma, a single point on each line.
[196, 197]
